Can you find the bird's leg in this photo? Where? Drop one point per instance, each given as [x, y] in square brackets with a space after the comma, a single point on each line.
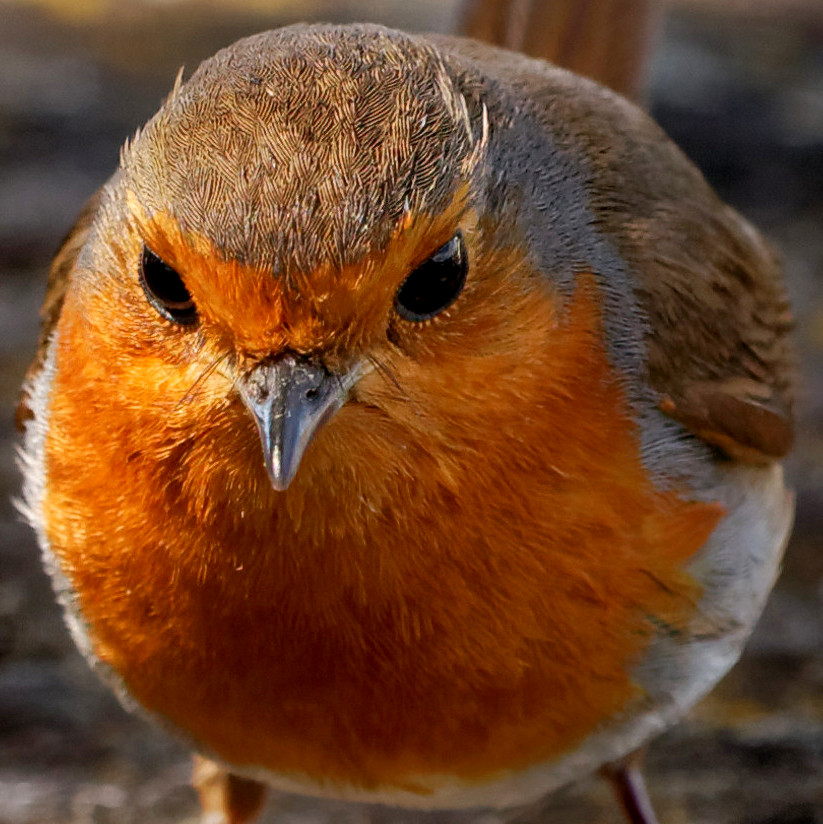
[226, 798]
[626, 777]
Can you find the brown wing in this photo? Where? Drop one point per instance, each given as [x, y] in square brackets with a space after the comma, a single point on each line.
[606, 40]
[718, 341]
[719, 348]
[59, 276]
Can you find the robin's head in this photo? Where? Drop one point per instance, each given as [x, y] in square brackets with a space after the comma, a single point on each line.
[341, 223]
[303, 227]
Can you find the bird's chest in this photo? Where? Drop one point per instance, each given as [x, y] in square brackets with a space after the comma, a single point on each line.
[466, 643]
[463, 613]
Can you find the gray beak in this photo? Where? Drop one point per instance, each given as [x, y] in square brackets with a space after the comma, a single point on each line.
[290, 399]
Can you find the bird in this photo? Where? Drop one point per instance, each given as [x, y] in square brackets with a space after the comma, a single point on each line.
[407, 424]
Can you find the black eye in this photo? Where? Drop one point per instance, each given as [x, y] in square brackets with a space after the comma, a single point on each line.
[435, 284]
[165, 290]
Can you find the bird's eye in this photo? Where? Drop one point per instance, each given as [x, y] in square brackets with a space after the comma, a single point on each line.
[435, 284]
[165, 290]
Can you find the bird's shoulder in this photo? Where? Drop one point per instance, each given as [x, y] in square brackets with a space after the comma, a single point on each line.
[710, 288]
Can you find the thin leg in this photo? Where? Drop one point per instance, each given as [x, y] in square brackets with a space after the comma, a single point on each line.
[226, 798]
[627, 779]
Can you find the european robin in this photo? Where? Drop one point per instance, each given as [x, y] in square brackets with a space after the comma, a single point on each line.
[407, 422]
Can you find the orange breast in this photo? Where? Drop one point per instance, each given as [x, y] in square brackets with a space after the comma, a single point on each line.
[421, 600]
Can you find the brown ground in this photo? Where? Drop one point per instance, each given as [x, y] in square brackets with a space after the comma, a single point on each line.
[741, 92]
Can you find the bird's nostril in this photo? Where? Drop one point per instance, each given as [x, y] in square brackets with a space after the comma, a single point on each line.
[312, 394]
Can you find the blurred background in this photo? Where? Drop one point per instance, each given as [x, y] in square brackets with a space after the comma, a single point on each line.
[738, 84]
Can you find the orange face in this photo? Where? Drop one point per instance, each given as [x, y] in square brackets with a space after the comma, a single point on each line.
[467, 564]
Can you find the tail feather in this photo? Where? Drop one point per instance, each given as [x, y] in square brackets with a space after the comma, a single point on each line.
[607, 40]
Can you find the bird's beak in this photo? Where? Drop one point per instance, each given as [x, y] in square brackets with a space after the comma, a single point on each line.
[290, 399]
